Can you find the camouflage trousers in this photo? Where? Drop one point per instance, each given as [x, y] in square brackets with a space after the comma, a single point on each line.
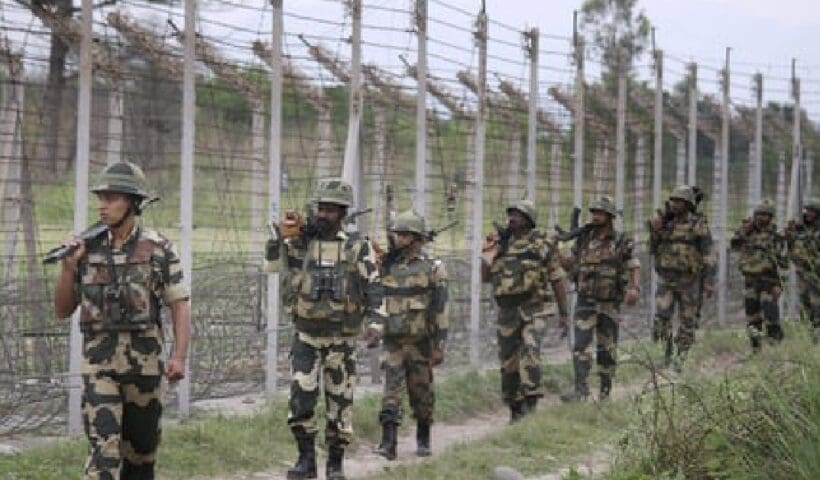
[684, 294]
[121, 415]
[520, 333]
[333, 361]
[761, 308]
[407, 366]
[595, 321]
[810, 301]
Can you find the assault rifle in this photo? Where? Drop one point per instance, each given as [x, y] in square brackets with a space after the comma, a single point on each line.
[575, 230]
[94, 231]
[433, 233]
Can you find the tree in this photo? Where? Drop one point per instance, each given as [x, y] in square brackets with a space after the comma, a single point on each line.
[615, 26]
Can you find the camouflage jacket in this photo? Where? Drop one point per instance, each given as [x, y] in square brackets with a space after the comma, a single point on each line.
[600, 266]
[415, 299]
[683, 249]
[804, 250]
[331, 284]
[762, 252]
[525, 268]
[120, 292]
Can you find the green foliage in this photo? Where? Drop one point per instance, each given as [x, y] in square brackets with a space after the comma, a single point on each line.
[615, 25]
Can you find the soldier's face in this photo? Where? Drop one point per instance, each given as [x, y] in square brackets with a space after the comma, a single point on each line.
[404, 239]
[112, 207]
[678, 206]
[763, 219]
[599, 217]
[516, 220]
[810, 215]
[329, 213]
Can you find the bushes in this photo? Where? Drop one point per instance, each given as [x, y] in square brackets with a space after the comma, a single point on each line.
[760, 420]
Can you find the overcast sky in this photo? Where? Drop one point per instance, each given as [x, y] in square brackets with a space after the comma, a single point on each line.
[764, 36]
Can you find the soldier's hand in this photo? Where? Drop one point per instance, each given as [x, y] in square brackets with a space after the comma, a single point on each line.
[175, 369]
[632, 296]
[776, 291]
[709, 290]
[437, 357]
[372, 337]
[563, 325]
[70, 261]
[292, 224]
[746, 226]
[656, 222]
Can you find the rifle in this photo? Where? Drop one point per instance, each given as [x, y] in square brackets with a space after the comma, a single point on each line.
[433, 233]
[94, 231]
[575, 230]
[351, 217]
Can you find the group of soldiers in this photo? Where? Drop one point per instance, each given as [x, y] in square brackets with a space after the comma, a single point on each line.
[340, 287]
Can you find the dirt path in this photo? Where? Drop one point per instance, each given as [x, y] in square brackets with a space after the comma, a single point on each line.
[362, 462]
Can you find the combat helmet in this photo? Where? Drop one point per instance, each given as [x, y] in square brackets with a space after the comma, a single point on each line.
[122, 177]
[766, 207]
[409, 221]
[527, 208]
[813, 204]
[683, 192]
[604, 204]
[334, 190]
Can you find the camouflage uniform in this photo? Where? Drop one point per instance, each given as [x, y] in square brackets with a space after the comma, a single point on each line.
[521, 275]
[762, 257]
[683, 256]
[804, 252]
[328, 295]
[601, 268]
[415, 323]
[119, 292]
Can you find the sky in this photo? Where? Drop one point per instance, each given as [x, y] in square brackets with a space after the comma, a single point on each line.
[764, 37]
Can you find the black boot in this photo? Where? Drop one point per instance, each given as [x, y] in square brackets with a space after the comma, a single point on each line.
[774, 332]
[306, 463]
[423, 439]
[516, 411]
[581, 390]
[333, 469]
[530, 404]
[387, 448]
[606, 387]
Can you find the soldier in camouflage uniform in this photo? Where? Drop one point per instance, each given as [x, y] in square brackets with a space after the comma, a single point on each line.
[334, 284]
[804, 251]
[681, 243]
[523, 266]
[414, 329]
[762, 259]
[606, 274]
[119, 281]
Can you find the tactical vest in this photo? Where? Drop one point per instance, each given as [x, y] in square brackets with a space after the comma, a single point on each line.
[328, 289]
[518, 270]
[121, 291]
[804, 250]
[758, 253]
[408, 293]
[600, 273]
[678, 251]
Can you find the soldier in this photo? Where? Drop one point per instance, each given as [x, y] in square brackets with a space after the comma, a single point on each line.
[334, 284]
[414, 330]
[524, 269]
[804, 250]
[601, 265]
[762, 258]
[119, 279]
[681, 243]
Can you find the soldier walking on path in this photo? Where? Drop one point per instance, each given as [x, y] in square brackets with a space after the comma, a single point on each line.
[804, 251]
[119, 280]
[524, 268]
[681, 243]
[334, 284]
[414, 330]
[762, 260]
[606, 273]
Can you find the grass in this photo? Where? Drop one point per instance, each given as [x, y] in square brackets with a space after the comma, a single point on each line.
[212, 445]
